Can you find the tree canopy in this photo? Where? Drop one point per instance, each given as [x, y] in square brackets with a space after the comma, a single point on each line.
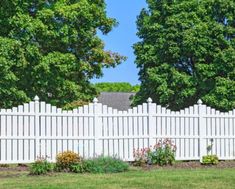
[51, 49]
[187, 52]
[116, 87]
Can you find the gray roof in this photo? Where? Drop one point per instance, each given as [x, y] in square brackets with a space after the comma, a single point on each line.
[116, 100]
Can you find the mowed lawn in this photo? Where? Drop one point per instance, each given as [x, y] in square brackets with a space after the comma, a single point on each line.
[135, 178]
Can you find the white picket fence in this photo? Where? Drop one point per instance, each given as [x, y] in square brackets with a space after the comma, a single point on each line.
[39, 129]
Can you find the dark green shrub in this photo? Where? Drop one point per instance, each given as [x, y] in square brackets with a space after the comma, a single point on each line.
[40, 166]
[101, 165]
[210, 160]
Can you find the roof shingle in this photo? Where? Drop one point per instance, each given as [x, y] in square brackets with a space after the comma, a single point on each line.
[116, 100]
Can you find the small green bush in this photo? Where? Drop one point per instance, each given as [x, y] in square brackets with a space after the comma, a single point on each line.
[100, 165]
[65, 160]
[79, 167]
[41, 166]
[210, 160]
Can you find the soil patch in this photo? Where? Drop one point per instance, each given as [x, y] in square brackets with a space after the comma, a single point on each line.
[15, 168]
[191, 165]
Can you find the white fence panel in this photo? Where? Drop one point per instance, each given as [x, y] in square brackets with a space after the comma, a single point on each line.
[38, 129]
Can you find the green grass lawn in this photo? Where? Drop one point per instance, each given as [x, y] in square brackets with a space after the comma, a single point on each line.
[135, 178]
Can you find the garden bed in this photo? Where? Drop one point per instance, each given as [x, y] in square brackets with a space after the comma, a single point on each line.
[15, 170]
[191, 165]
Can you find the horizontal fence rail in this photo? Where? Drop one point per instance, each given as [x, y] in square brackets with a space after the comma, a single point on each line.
[38, 129]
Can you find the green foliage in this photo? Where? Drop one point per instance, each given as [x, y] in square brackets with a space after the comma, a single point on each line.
[51, 48]
[163, 153]
[101, 165]
[187, 52]
[79, 167]
[65, 160]
[116, 87]
[12, 63]
[210, 160]
[74, 104]
[40, 166]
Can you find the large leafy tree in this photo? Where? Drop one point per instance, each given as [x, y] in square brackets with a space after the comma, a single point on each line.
[50, 48]
[187, 52]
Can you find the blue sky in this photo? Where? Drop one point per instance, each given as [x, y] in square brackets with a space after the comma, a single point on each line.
[121, 40]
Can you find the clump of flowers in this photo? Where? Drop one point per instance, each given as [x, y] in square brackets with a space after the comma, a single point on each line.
[141, 156]
[162, 153]
[65, 160]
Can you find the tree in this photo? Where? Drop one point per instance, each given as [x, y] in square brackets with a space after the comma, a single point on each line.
[51, 49]
[116, 87]
[187, 52]
[11, 64]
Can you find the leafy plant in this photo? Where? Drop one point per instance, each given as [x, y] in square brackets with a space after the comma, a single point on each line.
[101, 165]
[163, 153]
[74, 104]
[79, 167]
[41, 166]
[65, 160]
[141, 156]
[210, 160]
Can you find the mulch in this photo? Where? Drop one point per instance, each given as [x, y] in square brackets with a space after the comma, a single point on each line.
[17, 168]
[192, 165]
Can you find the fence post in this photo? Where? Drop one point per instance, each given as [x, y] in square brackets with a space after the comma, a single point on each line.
[150, 123]
[97, 127]
[202, 129]
[37, 129]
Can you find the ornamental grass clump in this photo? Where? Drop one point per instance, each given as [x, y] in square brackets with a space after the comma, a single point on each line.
[65, 160]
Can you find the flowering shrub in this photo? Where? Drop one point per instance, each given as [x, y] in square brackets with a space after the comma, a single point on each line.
[40, 166]
[65, 160]
[163, 153]
[141, 156]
